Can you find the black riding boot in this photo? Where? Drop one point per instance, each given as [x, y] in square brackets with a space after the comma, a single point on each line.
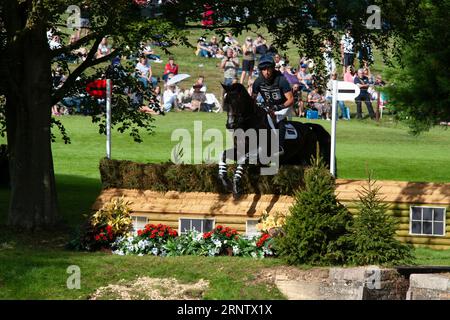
[282, 135]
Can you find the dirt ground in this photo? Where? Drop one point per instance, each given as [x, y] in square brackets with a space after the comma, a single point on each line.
[145, 288]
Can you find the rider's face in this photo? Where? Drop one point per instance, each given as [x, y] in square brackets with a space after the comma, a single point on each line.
[267, 73]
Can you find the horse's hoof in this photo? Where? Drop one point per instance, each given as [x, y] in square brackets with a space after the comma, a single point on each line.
[237, 190]
[225, 183]
[236, 196]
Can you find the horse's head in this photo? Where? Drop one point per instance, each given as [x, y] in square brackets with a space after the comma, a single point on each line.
[238, 104]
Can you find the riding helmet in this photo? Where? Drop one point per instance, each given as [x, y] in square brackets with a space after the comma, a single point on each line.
[266, 61]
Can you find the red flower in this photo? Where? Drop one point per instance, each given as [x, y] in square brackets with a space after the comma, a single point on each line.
[219, 227]
[161, 234]
[207, 235]
[228, 235]
[139, 233]
[97, 238]
[152, 236]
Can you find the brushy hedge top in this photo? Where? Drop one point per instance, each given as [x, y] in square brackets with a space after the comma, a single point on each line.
[194, 178]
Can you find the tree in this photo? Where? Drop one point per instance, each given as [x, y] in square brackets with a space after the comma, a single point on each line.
[420, 91]
[317, 223]
[26, 64]
[372, 233]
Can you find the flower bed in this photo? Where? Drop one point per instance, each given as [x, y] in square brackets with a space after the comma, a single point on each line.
[161, 240]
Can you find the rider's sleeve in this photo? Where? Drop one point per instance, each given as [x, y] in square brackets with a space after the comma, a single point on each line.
[284, 85]
[255, 88]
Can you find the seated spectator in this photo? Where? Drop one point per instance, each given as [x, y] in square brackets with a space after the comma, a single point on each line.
[55, 42]
[103, 48]
[298, 100]
[202, 49]
[154, 104]
[220, 54]
[170, 98]
[198, 99]
[261, 46]
[144, 73]
[305, 78]
[171, 67]
[290, 76]
[214, 46]
[201, 82]
[231, 42]
[146, 50]
[319, 103]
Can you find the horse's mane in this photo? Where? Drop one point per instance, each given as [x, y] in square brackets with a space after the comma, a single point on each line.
[244, 96]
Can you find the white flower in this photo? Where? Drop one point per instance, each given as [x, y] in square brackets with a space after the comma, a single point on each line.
[254, 255]
[155, 251]
[198, 237]
[140, 254]
[236, 250]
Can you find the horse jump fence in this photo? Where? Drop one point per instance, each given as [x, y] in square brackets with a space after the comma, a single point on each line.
[169, 207]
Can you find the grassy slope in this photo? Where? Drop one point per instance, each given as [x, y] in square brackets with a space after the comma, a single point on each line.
[36, 268]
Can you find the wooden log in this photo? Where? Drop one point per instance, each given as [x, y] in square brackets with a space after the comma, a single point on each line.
[236, 219]
[424, 240]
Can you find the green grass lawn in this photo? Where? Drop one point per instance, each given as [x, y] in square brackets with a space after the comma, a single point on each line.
[34, 266]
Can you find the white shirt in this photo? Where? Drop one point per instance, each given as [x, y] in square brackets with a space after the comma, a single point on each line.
[143, 69]
[347, 43]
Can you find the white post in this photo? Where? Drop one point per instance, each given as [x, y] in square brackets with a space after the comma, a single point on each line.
[108, 118]
[333, 129]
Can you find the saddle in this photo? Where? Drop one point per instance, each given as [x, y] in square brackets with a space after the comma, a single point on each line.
[291, 132]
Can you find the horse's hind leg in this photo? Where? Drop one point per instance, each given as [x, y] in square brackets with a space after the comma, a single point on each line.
[237, 181]
[223, 176]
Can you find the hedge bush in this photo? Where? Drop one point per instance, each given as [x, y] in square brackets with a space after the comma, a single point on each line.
[195, 178]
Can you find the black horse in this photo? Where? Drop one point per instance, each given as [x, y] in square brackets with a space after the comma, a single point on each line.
[243, 113]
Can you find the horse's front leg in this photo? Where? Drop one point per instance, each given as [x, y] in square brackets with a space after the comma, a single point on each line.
[237, 181]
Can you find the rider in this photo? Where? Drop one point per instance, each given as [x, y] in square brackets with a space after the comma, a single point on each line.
[276, 92]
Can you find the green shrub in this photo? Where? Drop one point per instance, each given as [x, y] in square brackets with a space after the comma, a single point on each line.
[372, 233]
[316, 224]
[195, 178]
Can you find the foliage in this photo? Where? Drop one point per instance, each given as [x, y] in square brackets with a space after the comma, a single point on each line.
[372, 233]
[271, 222]
[111, 221]
[316, 224]
[420, 91]
[163, 241]
[194, 178]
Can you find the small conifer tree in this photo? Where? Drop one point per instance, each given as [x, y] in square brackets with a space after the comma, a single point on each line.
[317, 222]
[372, 233]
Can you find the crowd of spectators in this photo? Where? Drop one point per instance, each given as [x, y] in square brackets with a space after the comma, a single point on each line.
[237, 63]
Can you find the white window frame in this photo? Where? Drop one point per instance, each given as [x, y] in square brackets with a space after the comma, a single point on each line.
[432, 221]
[246, 228]
[134, 219]
[196, 218]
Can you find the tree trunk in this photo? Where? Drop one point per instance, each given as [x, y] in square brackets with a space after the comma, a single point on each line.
[33, 202]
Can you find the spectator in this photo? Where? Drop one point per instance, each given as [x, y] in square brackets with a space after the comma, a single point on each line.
[146, 50]
[170, 98]
[229, 65]
[347, 54]
[231, 42]
[369, 75]
[144, 73]
[318, 102]
[103, 48]
[170, 67]
[220, 54]
[363, 83]
[55, 42]
[214, 46]
[260, 44]
[298, 100]
[279, 63]
[349, 75]
[329, 98]
[248, 59]
[202, 48]
[290, 76]
[155, 102]
[365, 55]
[305, 78]
[198, 99]
[200, 81]
[84, 20]
[327, 50]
